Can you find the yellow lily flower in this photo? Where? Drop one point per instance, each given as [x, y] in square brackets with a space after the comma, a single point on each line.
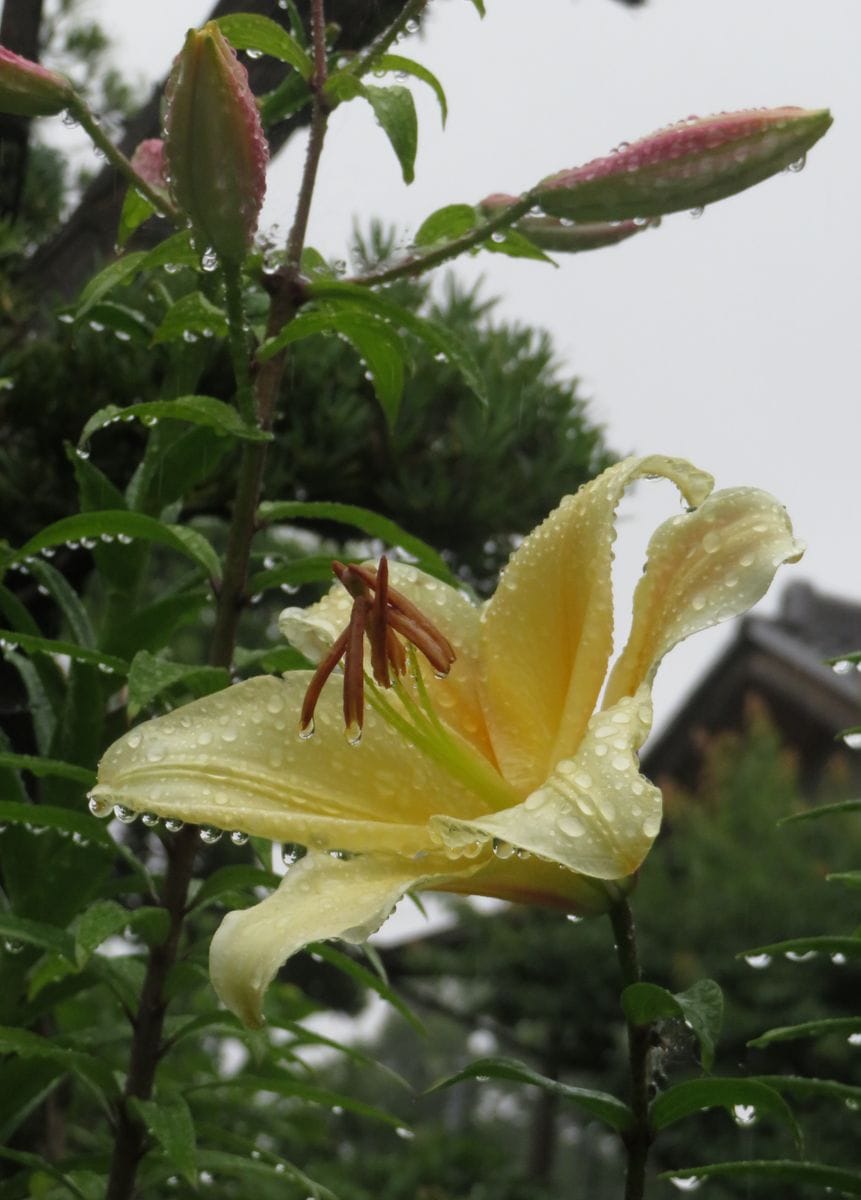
[505, 778]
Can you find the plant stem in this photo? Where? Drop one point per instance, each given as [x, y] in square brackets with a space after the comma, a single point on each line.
[639, 1138]
[88, 122]
[416, 264]
[238, 342]
[364, 62]
[316, 137]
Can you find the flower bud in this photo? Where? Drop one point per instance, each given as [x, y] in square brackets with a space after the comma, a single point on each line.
[686, 165]
[30, 90]
[214, 143]
[562, 236]
[149, 162]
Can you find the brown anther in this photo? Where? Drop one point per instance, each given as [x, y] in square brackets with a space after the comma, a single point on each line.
[380, 612]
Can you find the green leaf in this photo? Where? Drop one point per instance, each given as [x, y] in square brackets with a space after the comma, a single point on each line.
[824, 1027]
[136, 209]
[94, 1071]
[271, 1168]
[701, 1007]
[696, 1095]
[373, 338]
[191, 314]
[478, 5]
[850, 946]
[313, 569]
[152, 627]
[273, 660]
[823, 810]
[80, 826]
[170, 1122]
[349, 966]
[67, 599]
[105, 918]
[44, 706]
[845, 1183]
[395, 110]
[129, 323]
[17, 930]
[369, 522]
[115, 274]
[800, 1085]
[439, 338]
[39, 1164]
[11, 640]
[197, 410]
[87, 526]
[42, 767]
[515, 245]
[151, 677]
[446, 224]
[284, 1084]
[227, 880]
[249, 31]
[175, 251]
[847, 878]
[408, 66]
[307, 1037]
[602, 1105]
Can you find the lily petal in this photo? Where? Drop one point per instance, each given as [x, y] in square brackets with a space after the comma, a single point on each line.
[456, 698]
[547, 632]
[595, 814]
[702, 568]
[234, 760]
[320, 897]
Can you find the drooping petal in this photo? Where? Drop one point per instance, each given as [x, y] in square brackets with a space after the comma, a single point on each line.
[234, 760]
[595, 814]
[547, 632]
[320, 897]
[456, 698]
[702, 568]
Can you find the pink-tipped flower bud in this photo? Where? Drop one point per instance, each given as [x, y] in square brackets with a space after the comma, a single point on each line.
[214, 143]
[149, 162]
[28, 89]
[686, 165]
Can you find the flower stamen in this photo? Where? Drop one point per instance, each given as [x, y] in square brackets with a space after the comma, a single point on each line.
[381, 613]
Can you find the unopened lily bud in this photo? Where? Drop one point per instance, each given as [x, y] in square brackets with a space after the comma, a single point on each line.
[149, 162]
[214, 143]
[28, 89]
[567, 237]
[686, 165]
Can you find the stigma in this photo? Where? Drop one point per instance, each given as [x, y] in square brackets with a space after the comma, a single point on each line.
[391, 623]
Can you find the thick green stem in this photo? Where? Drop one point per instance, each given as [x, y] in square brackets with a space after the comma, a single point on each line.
[639, 1138]
[88, 122]
[316, 137]
[419, 262]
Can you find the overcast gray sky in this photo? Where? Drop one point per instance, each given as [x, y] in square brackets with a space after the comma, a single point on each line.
[731, 339]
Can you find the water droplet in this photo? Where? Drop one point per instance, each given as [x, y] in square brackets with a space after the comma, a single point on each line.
[758, 961]
[308, 731]
[744, 1114]
[698, 602]
[209, 835]
[685, 1183]
[254, 53]
[238, 837]
[573, 918]
[697, 212]
[100, 807]
[12, 947]
[403, 1132]
[173, 825]
[711, 542]
[651, 825]
[838, 959]
[854, 1039]
[128, 816]
[150, 820]
[571, 826]
[291, 852]
[798, 165]
[797, 957]
[852, 739]
[353, 734]
[503, 850]
[209, 260]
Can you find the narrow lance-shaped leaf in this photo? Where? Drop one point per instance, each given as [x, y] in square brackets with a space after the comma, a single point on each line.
[687, 165]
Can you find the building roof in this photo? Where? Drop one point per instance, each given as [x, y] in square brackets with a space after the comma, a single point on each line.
[779, 661]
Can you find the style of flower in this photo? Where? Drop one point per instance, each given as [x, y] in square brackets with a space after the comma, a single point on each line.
[500, 776]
